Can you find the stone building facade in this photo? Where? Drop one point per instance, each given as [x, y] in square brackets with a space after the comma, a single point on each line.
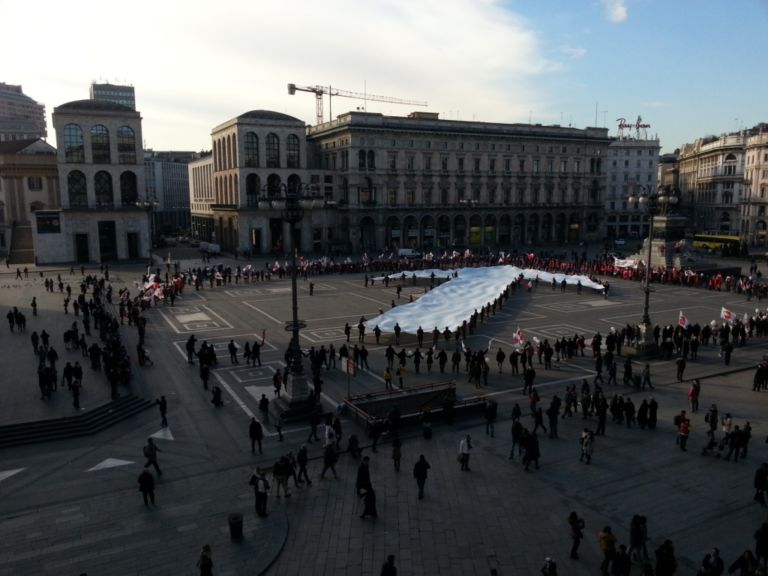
[632, 168]
[754, 203]
[381, 182]
[104, 210]
[28, 184]
[711, 177]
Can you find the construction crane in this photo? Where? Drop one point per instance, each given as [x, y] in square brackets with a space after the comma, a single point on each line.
[318, 91]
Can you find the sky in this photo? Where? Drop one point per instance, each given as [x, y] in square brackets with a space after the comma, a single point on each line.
[690, 68]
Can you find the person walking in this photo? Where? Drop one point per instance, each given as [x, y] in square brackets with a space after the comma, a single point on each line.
[420, 472]
[330, 457]
[683, 431]
[205, 562]
[587, 446]
[163, 405]
[465, 451]
[622, 564]
[256, 433]
[261, 489]
[577, 533]
[760, 483]
[301, 459]
[666, 563]
[150, 453]
[681, 363]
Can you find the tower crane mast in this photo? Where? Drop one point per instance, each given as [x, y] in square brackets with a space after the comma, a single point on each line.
[319, 91]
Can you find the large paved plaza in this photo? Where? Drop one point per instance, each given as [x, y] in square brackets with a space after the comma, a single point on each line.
[73, 506]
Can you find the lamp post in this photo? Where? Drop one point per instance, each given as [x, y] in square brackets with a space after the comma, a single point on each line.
[292, 200]
[149, 204]
[656, 204]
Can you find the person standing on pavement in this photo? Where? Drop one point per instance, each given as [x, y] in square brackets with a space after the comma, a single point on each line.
[465, 451]
[147, 487]
[330, 457]
[622, 564]
[388, 568]
[363, 482]
[666, 563]
[232, 347]
[420, 471]
[577, 533]
[681, 363]
[397, 451]
[163, 405]
[150, 453]
[261, 489]
[205, 562]
[256, 433]
[607, 543]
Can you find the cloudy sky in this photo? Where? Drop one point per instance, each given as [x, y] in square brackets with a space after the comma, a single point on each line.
[689, 67]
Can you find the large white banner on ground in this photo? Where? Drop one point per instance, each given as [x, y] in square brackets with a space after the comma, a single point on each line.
[454, 301]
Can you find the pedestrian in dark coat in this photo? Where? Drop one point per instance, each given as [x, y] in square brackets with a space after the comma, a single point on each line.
[205, 562]
[363, 476]
[147, 487]
[163, 405]
[420, 470]
[256, 433]
[577, 533]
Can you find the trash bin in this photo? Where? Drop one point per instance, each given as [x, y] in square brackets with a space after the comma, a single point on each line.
[236, 526]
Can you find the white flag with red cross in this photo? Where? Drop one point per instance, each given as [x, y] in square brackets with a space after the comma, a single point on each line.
[682, 321]
[518, 339]
[726, 314]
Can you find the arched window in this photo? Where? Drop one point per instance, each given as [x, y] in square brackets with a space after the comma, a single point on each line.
[73, 144]
[126, 145]
[129, 194]
[361, 160]
[293, 151]
[102, 185]
[100, 144]
[252, 187]
[251, 150]
[273, 151]
[371, 160]
[77, 189]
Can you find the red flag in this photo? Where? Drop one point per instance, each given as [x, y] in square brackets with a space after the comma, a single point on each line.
[682, 321]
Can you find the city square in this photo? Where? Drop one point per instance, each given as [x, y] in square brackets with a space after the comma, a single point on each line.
[72, 505]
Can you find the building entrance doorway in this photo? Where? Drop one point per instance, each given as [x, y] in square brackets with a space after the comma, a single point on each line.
[107, 241]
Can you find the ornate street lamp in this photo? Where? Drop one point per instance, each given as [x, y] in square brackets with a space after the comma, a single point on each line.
[657, 203]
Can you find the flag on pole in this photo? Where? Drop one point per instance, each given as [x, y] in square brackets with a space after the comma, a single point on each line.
[682, 321]
[518, 339]
[726, 314]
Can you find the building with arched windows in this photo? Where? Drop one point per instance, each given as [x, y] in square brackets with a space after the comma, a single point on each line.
[104, 209]
[711, 172]
[385, 182]
[754, 205]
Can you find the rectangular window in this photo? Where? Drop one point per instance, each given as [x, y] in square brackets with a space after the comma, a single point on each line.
[392, 197]
[461, 164]
[410, 196]
[507, 165]
[428, 163]
[410, 162]
[521, 167]
[393, 160]
[35, 183]
[428, 196]
[476, 167]
[577, 166]
[492, 165]
[444, 163]
[535, 166]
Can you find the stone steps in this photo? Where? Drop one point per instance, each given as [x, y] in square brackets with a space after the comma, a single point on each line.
[83, 424]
